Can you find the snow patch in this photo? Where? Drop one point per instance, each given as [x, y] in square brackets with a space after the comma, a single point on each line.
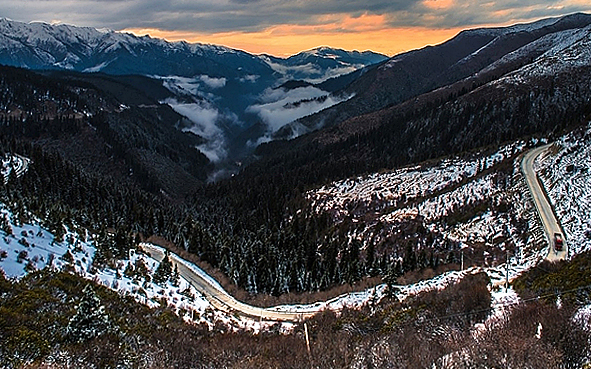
[566, 176]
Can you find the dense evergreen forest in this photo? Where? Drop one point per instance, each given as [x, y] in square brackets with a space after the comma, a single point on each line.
[256, 227]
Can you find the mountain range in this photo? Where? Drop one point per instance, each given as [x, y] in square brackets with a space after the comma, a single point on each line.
[237, 100]
[227, 102]
[84, 49]
[217, 83]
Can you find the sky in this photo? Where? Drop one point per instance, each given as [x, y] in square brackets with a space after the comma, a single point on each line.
[282, 28]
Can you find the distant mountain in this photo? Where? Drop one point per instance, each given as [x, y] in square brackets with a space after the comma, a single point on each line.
[508, 92]
[405, 76]
[322, 63]
[340, 56]
[217, 88]
[85, 49]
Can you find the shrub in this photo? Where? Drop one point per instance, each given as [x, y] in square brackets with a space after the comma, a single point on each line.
[22, 255]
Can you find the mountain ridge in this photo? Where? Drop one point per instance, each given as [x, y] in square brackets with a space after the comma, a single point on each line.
[416, 72]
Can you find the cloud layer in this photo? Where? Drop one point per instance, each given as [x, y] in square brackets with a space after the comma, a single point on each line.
[205, 120]
[279, 107]
[314, 74]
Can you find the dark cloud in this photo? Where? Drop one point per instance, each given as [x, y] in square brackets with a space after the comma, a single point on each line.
[474, 12]
[209, 16]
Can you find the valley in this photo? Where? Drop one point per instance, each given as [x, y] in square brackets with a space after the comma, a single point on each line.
[431, 207]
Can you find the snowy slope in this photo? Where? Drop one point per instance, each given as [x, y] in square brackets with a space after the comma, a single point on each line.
[496, 36]
[13, 164]
[566, 51]
[567, 178]
[28, 247]
[380, 203]
[404, 184]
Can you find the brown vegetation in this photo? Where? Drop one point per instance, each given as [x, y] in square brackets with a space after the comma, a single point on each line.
[431, 330]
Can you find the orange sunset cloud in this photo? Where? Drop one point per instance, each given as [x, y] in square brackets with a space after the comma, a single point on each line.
[368, 32]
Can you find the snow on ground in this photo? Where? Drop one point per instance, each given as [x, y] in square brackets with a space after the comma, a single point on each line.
[426, 193]
[375, 294]
[583, 317]
[28, 247]
[381, 203]
[402, 292]
[417, 182]
[13, 163]
[402, 185]
[502, 301]
[566, 176]
[44, 251]
[441, 187]
[569, 50]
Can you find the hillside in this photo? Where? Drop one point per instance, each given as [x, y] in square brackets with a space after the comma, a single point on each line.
[97, 327]
[262, 228]
[479, 55]
[107, 126]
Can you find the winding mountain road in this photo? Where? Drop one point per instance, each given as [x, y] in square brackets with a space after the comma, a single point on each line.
[543, 206]
[217, 296]
[220, 299]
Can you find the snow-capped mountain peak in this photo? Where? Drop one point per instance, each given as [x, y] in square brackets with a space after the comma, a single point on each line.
[40, 45]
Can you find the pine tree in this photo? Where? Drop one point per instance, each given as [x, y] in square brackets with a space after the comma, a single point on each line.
[164, 270]
[68, 257]
[5, 224]
[175, 279]
[141, 270]
[90, 320]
